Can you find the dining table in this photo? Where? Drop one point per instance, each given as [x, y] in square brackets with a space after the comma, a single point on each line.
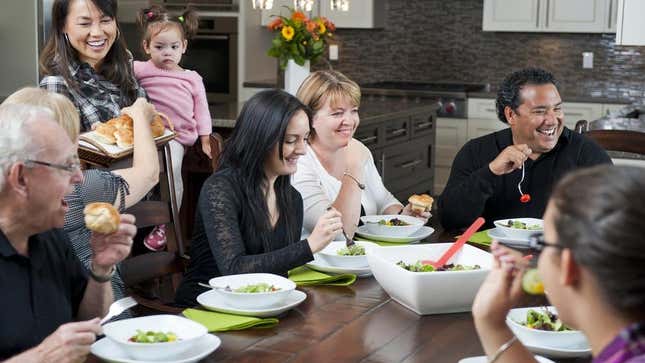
[358, 323]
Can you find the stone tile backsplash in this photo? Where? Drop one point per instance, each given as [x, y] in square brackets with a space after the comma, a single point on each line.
[442, 40]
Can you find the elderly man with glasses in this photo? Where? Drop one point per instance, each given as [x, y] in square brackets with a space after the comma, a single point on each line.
[48, 294]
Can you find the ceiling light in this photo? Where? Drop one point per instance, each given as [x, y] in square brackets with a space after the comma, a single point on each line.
[304, 5]
[342, 5]
[262, 4]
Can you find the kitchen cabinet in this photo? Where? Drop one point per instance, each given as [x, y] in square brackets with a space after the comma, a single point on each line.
[630, 29]
[572, 16]
[452, 134]
[403, 147]
[365, 14]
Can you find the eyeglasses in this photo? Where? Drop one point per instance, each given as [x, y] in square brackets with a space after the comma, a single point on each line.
[537, 243]
[70, 167]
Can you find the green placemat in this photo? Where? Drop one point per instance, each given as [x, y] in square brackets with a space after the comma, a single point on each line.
[304, 276]
[481, 238]
[381, 243]
[215, 321]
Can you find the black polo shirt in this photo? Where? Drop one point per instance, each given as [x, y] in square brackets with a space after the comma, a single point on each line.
[473, 190]
[40, 292]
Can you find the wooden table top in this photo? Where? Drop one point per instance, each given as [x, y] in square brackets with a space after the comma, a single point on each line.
[358, 323]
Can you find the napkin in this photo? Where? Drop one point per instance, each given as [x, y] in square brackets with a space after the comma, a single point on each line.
[215, 321]
[481, 238]
[304, 276]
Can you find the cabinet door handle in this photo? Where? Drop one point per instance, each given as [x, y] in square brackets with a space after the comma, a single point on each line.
[611, 3]
[383, 165]
[368, 139]
[410, 164]
[491, 110]
[424, 125]
[399, 132]
[537, 16]
[547, 14]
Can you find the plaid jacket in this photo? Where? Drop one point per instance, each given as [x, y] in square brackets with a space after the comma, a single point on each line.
[96, 99]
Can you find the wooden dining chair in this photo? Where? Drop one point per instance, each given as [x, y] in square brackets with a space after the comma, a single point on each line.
[615, 140]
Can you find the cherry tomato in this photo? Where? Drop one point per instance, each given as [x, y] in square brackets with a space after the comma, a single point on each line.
[525, 198]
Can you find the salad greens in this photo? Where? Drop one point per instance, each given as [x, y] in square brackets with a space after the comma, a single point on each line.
[544, 320]
[153, 337]
[393, 222]
[353, 250]
[419, 266]
[261, 287]
[521, 225]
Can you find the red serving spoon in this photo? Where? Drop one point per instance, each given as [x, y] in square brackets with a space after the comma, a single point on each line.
[459, 243]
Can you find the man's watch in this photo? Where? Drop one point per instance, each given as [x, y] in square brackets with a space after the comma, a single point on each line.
[101, 278]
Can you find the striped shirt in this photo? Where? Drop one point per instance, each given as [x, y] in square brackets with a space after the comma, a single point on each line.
[97, 186]
[97, 99]
[627, 347]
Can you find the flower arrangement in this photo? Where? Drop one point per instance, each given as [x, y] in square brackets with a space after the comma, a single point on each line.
[299, 38]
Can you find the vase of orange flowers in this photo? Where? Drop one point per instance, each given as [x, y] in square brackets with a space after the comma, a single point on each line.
[298, 42]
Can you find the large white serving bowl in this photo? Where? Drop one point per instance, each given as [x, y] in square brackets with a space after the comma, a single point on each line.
[188, 334]
[256, 300]
[572, 339]
[517, 232]
[429, 292]
[330, 255]
[373, 227]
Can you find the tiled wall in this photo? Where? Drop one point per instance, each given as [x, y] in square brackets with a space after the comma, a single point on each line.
[442, 40]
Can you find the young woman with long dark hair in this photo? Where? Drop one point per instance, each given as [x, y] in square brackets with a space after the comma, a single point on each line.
[249, 217]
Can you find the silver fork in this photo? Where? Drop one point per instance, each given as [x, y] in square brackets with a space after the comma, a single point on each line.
[348, 241]
[118, 307]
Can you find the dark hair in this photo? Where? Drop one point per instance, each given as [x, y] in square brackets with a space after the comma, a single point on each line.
[154, 19]
[600, 216]
[509, 91]
[58, 54]
[260, 127]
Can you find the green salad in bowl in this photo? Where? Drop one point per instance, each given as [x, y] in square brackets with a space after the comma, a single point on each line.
[259, 287]
[353, 250]
[419, 266]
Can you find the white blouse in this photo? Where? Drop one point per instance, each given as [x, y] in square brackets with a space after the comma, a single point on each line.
[319, 189]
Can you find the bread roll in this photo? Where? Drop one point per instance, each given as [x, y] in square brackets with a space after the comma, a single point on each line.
[124, 138]
[122, 122]
[421, 203]
[101, 217]
[105, 133]
[157, 127]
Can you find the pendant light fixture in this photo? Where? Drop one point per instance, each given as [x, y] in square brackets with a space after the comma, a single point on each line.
[262, 4]
[342, 5]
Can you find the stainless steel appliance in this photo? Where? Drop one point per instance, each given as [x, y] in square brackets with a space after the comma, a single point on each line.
[451, 98]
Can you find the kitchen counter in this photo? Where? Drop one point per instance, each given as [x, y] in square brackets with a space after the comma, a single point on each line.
[373, 109]
[566, 97]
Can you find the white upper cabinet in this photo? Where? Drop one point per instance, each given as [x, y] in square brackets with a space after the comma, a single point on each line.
[570, 16]
[630, 29]
[364, 14]
[280, 8]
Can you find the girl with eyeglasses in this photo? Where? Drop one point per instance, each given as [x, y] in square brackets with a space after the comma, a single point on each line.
[591, 264]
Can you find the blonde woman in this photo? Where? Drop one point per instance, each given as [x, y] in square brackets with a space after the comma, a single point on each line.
[337, 169]
[123, 187]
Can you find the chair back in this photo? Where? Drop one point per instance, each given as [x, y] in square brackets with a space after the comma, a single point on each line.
[627, 141]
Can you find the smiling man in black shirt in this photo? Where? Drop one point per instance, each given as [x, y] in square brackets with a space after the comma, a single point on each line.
[487, 170]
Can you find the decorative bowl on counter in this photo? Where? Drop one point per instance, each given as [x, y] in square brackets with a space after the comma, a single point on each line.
[434, 292]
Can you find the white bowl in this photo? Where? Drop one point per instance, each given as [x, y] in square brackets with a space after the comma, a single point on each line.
[429, 292]
[330, 255]
[572, 339]
[373, 227]
[517, 232]
[255, 300]
[188, 333]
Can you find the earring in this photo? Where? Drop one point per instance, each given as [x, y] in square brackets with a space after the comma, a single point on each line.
[67, 38]
[117, 34]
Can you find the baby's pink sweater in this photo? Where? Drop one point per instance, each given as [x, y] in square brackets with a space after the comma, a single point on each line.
[181, 96]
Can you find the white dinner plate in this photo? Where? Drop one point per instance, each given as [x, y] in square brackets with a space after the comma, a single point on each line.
[321, 265]
[559, 352]
[484, 359]
[515, 242]
[111, 352]
[422, 233]
[211, 300]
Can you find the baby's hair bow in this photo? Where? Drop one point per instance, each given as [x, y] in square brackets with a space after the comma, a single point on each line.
[180, 18]
[150, 14]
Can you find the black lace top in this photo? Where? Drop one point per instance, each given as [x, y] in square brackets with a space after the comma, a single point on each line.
[225, 245]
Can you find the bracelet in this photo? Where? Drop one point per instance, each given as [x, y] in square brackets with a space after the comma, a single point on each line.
[360, 185]
[99, 278]
[503, 348]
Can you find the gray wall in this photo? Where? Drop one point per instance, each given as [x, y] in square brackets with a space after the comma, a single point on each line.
[442, 40]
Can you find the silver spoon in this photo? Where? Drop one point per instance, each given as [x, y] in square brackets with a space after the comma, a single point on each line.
[227, 288]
